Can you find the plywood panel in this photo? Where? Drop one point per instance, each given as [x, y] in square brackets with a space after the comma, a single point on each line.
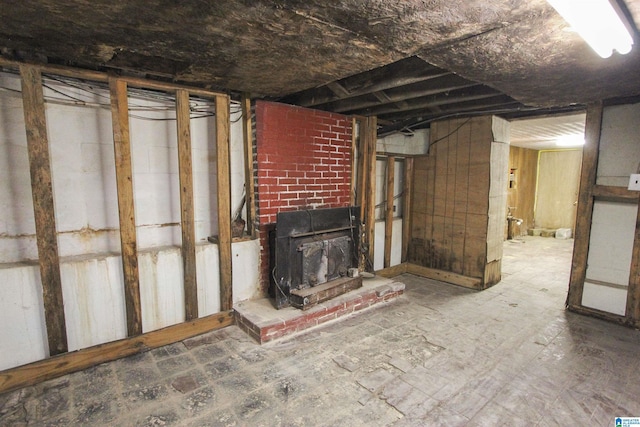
[522, 192]
[557, 195]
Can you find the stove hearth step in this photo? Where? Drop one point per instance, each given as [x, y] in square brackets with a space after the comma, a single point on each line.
[309, 297]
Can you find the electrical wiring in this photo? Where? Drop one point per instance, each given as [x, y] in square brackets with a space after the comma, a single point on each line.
[88, 92]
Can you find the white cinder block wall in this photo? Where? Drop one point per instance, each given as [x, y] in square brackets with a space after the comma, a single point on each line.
[83, 170]
[613, 224]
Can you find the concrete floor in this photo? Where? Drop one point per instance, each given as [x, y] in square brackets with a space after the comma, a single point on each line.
[439, 355]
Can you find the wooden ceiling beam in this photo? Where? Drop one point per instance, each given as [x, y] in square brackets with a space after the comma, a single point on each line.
[451, 97]
[440, 85]
[407, 71]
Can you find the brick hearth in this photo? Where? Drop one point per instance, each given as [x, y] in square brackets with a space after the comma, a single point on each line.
[264, 323]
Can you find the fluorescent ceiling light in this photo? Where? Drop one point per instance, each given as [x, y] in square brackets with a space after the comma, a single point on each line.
[598, 23]
[575, 140]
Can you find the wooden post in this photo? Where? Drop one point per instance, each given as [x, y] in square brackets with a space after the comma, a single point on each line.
[388, 218]
[224, 202]
[249, 183]
[370, 220]
[187, 216]
[363, 165]
[633, 291]
[354, 161]
[406, 206]
[43, 208]
[126, 209]
[585, 204]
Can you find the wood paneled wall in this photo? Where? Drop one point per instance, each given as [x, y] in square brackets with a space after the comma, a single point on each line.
[522, 193]
[452, 228]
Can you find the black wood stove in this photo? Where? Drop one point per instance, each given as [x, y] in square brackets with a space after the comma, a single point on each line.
[314, 255]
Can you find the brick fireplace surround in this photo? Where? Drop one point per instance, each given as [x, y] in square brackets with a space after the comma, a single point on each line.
[303, 162]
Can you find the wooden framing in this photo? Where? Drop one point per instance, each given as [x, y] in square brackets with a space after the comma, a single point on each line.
[633, 291]
[445, 276]
[247, 132]
[63, 362]
[43, 207]
[370, 187]
[54, 367]
[388, 218]
[224, 201]
[126, 209]
[355, 138]
[585, 204]
[406, 208]
[187, 215]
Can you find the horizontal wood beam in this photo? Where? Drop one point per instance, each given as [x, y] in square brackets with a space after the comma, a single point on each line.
[98, 76]
[452, 97]
[615, 193]
[444, 276]
[425, 115]
[67, 363]
[440, 85]
[407, 71]
[394, 271]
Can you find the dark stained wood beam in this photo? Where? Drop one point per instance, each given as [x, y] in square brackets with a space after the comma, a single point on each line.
[338, 90]
[370, 172]
[43, 208]
[187, 215]
[440, 85]
[590, 152]
[388, 218]
[479, 106]
[406, 207]
[126, 208]
[451, 97]
[400, 73]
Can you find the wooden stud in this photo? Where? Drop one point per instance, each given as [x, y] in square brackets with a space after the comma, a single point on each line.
[224, 201]
[388, 218]
[54, 367]
[187, 215]
[249, 183]
[43, 207]
[354, 161]
[633, 291]
[406, 208]
[126, 209]
[585, 204]
[370, 220]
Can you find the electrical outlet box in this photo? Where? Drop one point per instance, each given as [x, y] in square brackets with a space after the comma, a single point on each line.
[634, 182]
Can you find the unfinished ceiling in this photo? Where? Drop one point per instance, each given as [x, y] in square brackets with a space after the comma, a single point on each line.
[455, 56]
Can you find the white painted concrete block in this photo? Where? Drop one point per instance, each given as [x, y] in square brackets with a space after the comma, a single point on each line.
[94, 305]
[23, 333]
[161, 288]
[605, 298]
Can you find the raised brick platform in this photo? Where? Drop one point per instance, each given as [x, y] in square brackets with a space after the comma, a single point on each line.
[264, 323]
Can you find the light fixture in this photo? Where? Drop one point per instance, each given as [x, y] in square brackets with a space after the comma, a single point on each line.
[598, 23]
[575, 140]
